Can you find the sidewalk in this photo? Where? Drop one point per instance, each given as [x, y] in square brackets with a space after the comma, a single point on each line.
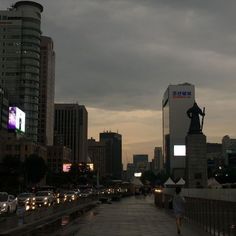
[134, 216]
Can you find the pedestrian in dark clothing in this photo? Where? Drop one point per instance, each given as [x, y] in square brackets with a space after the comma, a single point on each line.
[178, 207]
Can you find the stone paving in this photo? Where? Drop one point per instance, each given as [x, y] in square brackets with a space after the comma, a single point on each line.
[134, 216]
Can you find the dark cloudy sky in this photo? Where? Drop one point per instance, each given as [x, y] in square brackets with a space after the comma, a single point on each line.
[118, 56]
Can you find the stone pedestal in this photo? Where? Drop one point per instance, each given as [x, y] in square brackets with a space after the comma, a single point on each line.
[196, 161]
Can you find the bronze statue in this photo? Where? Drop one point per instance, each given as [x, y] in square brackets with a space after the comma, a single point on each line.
[193, 113]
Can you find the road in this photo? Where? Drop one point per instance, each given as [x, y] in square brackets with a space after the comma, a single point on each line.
[134, 216]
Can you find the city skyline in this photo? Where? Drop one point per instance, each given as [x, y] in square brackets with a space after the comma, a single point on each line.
[118, 57]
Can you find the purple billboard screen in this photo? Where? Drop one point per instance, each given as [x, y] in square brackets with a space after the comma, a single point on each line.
[12, 118]
[16, 119]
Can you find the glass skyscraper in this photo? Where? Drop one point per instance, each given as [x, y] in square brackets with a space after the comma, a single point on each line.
[20, 33]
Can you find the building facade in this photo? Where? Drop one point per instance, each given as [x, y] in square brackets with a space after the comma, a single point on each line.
[57, 156]
[97, 155]
[140, 162]
[158, 159]
[20, 59]
[19, 146]
[176, 101]
[214, 157]
[68, 127]
[130, 171]
[46, 92]
[83, 134]
[229, 151]
[4, 109]
[113, 143]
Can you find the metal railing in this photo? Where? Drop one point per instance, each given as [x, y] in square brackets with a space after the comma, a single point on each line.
[218, 217]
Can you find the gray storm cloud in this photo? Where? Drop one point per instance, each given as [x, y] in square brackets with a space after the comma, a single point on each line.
[122, 54]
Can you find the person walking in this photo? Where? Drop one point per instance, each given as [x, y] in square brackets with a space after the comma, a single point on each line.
[178, 207]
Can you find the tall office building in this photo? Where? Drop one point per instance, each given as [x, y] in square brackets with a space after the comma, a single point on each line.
[229, 151]
[97, 154]
[70, 121]
[140, 162]
[4, 109]
[83, 134]
[46, 92]
[176, 101]
[20, 33]
[158, 159]
[130, 171]
[113, 153]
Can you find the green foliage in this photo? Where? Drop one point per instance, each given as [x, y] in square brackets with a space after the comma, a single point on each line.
[226, 175]
[35, 168]
[11, 174]
[148, 177]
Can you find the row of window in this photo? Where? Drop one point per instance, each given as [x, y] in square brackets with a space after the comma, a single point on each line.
[24, 74]
[25, 19]
[15, 147]
[27, 44]
[24, 52]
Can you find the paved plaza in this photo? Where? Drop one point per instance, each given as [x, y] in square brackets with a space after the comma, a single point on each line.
[134, 216]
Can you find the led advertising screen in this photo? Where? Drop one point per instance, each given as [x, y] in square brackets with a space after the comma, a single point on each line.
[66, 167]
[90, 166]
[179, 150]
[16, 119]
[137, 174]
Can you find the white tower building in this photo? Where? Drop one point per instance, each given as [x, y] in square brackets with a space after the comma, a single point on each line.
[176, 101]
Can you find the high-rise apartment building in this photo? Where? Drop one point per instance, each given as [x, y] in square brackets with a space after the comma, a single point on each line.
[46, 92]
[20, 33]
[176, 101]
[70, 129]
[113, 153]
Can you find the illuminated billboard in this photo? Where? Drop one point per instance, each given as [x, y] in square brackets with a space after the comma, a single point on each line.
[90, 166]
[66, 167]
[179, 150]
[16, 119]
[137, 174]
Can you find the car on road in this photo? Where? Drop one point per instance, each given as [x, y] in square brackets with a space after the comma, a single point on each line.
[44, 198]
[8, 203]
[70, 195]
[27, 200]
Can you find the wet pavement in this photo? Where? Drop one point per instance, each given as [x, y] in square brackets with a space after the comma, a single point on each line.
[134, 216]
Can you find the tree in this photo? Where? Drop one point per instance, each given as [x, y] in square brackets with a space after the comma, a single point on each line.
[35, 168]
[11, 173]
[79, 174]
[148, 176]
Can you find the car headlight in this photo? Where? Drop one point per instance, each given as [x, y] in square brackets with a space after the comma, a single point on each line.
[4, 205]
[33, 198]
[45, 198]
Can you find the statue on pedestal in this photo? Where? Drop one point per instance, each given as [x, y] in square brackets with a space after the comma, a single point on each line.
[193, 113]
